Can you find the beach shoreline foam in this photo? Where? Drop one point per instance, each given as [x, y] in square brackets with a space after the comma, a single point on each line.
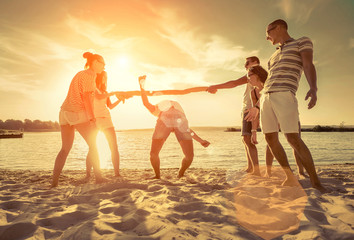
[205, 204]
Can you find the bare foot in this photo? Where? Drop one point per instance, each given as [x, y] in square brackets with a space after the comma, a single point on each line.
[320, 188]
[303, 175]
[248, 170]
[268, 174]
[256, 173]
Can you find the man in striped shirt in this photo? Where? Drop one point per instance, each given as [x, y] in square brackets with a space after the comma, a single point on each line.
[278, 101]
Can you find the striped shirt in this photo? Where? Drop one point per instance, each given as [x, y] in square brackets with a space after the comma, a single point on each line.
[83, 81]
[285, 66]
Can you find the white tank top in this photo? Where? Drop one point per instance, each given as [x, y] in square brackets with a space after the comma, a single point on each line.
[100, 106]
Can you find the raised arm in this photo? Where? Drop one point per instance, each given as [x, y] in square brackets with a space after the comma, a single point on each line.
[230, 84]
[146, 102]
[310, 73]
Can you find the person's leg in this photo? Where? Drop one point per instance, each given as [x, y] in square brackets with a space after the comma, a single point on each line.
[246, 133]
[88, 166]
[188, 151]
[89, 133]
[156, 146]
[252, 153]
[113, 145]
[279, 154]
[67, 139]
[269, 162]
[305, 157]
[249, 163]
[300, 167]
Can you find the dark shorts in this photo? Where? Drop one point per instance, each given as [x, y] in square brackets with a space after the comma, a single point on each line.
[162, 131]
[246, 126]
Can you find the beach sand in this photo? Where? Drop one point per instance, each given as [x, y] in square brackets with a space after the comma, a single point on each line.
[205, 204]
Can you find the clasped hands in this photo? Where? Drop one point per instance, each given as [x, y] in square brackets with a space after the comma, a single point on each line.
[123, 96]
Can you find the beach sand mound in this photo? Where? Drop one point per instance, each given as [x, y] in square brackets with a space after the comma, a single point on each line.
[205, 204]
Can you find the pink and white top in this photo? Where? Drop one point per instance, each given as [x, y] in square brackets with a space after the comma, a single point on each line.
[84, 81]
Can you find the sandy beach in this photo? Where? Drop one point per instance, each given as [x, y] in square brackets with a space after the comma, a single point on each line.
[205, 204]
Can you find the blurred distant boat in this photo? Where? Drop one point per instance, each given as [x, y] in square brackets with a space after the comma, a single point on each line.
[11, 134]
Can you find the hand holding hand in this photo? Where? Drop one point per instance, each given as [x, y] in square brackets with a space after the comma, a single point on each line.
[122, 96]
[212, 89]
[252, 114]
[312, 93]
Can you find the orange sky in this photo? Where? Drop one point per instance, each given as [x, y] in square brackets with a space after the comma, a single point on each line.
[177, 44]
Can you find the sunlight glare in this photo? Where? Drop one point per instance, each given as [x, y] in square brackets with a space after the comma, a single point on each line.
[122, 62]
[104, 151]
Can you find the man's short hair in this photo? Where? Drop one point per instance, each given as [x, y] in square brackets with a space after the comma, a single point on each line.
[260, 72]
[254, 59]
[279, 22]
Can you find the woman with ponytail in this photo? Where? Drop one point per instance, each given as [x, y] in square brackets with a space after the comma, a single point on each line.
[77, 113]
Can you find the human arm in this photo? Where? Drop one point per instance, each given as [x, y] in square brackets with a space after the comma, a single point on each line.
[111, 105]
[179, 92]
[254, 130]
[144, 98]
[253, 112]
[203, 142]
[230, 84]
[102, 95]
[310, 73]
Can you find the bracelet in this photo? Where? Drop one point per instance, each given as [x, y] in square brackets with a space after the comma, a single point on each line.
[254, 130]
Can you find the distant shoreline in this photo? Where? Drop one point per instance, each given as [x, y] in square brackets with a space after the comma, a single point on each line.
[317, 128]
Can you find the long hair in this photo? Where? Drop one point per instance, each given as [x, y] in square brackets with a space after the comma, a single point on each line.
[260, 72]
[99, 81]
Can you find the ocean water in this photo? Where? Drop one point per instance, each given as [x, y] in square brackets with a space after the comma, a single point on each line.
[37, 151]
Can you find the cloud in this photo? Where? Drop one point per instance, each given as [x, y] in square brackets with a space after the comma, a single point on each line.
[299, 11]
[207, 51]
[351, 43]
[102, 36]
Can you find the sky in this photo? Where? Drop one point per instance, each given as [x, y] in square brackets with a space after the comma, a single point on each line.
[177, 44]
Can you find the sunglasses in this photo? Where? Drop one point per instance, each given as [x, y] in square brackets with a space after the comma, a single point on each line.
[269, 30]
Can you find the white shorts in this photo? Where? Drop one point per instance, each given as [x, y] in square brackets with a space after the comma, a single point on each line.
[104, 123]
[279, 109]
[72, 118]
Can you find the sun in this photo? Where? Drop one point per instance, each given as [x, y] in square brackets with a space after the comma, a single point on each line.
[122, 61]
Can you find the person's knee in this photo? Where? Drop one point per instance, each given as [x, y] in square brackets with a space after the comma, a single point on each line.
[65, 150]
[154, 155]
[271, 138]
[189, 156]
[293, 139]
